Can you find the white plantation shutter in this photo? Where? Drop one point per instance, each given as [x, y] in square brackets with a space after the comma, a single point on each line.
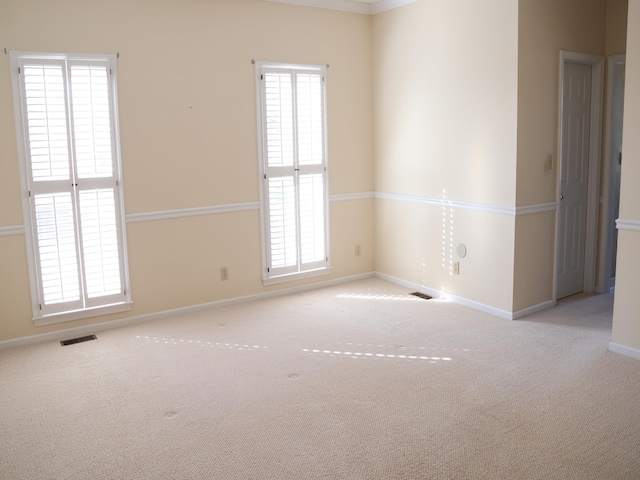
[294, 169]
[100, 242]
[279, 119]
[312, 218]
[45, 103]
[91, 120]
[71, 169]
[282, 222]
[57, 252]
[93, 142]
[310, 119]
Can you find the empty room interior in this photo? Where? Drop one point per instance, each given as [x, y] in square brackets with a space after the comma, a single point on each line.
[237, 198]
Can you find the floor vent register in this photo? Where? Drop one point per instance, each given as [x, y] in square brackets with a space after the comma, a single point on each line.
[72, 341]
[424, 296]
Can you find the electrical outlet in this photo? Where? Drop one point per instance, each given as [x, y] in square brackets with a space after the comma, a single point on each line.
[357, 249]
[456, 268]
[224, 273]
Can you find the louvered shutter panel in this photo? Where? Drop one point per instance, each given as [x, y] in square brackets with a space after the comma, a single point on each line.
[46, 111]
[279, 119]
[294, 164]
[100, 243]
[69, 144]
[56, 239]
[311, 179]
[282, 222]
[280, 159]
[312, 225]
[50, 178]
[310, 121]
[91, 121]
[93, 147]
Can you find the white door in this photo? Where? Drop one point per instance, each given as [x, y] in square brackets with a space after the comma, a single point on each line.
[576, 107]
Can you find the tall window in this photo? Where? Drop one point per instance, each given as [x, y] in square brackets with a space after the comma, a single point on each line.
[69, 150]
[292, 118]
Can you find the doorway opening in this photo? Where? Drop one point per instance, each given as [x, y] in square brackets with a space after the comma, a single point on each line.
[611, 173]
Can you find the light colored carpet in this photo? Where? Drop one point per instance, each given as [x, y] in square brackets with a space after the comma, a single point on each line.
[357, 381]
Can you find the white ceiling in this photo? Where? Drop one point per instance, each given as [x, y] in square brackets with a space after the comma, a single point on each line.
[367, 7]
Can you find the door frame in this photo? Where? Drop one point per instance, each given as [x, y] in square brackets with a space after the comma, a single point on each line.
[593, 184]
[606, 247]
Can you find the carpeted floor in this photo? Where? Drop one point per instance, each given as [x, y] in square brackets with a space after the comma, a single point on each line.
[357, 381]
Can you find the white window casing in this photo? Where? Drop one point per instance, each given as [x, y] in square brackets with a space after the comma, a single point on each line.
[292, 143]
[68, 144]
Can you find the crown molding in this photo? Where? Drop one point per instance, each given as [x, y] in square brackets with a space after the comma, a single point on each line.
[384, 5]
[350, 5]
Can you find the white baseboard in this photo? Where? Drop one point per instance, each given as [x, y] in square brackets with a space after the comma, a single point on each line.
[533, 309]
[623, 350]
[123, 322]
[447, 296]
[469, 303]
[98, 327]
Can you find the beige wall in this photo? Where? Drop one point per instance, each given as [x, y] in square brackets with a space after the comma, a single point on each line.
[445, 100]
[626, 320]
[545, 27]
[616, 27]
[534, 260]
[445, 79]
[629, 193]
[417, 243]
[188, 130]
[453, 101]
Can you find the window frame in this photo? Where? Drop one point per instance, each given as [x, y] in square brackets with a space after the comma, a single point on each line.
[320, 268]
[88, 307]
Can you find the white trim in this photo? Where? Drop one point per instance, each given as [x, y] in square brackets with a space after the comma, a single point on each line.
[352, 6]
[440, 202]
[191, 212]
[242, 207]
[533, 309]
[384, 5]
[261, 171]
[540, 208]
[480, 207]
[88, 329]
[291, 277]
[351, 196]
[196, 211]
[469, 303]
[631, 225]
[84, 313]
[342, 5]
[624, 350]
[123, 322]
[447, 296]
[12, 230]
[19, 119]
[591, 233]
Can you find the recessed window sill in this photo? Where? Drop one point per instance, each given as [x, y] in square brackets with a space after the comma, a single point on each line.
[290, 277]
[79, 314]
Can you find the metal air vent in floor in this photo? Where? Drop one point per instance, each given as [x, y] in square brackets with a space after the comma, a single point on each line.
[424, 296]
[71, 341]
